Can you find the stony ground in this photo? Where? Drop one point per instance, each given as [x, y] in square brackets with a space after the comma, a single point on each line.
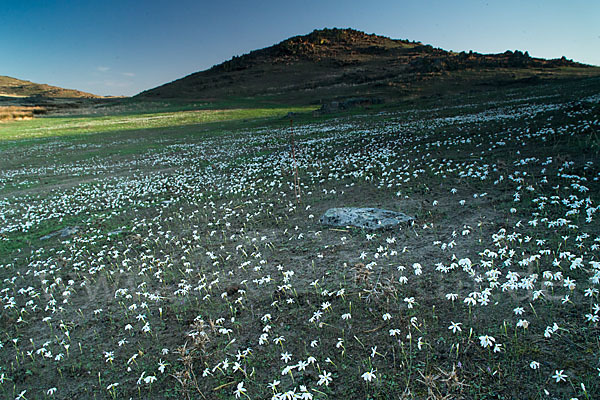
[196, 270]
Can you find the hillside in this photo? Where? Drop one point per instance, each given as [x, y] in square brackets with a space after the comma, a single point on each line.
[335, 63]
[12, 87]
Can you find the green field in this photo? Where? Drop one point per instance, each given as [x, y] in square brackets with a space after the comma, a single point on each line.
[69, 126]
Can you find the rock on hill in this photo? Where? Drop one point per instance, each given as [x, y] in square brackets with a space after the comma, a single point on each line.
[12, 87]
[333, 63]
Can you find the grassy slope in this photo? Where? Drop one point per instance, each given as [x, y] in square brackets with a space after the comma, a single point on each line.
[69, 126]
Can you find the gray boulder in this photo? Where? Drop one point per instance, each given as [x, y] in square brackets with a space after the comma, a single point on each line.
[64, 233]
[366, 218]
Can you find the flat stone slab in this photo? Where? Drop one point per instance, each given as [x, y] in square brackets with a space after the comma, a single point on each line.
[366, 218]
[64, 233]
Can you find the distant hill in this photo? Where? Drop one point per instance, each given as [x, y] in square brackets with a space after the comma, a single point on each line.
[12, 87]
[336, 63]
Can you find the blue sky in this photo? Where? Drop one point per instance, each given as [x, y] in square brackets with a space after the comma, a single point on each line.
[121, 47]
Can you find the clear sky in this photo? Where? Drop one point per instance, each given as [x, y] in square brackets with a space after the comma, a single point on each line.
[121, 47]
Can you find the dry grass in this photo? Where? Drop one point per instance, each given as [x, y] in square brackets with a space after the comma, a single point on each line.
[19, 113]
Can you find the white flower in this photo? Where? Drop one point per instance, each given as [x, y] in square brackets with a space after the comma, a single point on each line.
[109, 356]
[369, 376]
[591, 317]
[486, 341]
[470, 301]
[305, 394]
[518, 310]
[263, 339]
[374, 351]
[274, 384]
[240, 390]
[534, 365]
[455, 326]
[559, 376]
[287, 370]
[324, 378]
[523, 323]
[302, 365]
[237, 366]
[161, 366]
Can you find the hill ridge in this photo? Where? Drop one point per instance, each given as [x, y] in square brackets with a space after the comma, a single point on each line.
[13, 87]
[331, 58]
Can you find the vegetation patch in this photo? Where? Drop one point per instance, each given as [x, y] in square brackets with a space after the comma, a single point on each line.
[200, 269]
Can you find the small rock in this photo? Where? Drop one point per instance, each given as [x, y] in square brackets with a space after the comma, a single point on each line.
[68, 231]
[366, 218]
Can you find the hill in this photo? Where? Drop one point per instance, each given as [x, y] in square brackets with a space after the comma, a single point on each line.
[12, 87]
[337, 63]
